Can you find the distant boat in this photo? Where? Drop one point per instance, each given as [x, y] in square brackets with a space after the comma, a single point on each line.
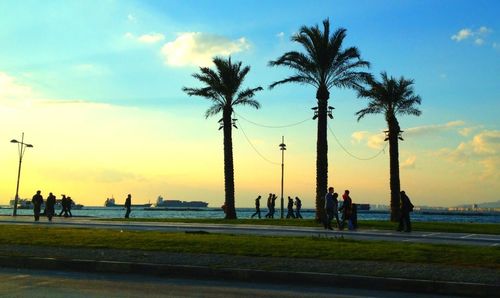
[27, 204]
[110, 202]
[161, 203]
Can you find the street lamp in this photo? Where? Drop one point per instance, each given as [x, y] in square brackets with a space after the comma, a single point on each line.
[282, 148]
[22, 148]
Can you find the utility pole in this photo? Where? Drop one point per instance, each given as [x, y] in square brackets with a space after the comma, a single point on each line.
[282, 148]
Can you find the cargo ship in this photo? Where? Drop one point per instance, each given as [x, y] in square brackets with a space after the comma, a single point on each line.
[110, 202]
[161, 203]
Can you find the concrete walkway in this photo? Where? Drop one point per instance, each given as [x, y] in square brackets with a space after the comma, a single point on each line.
[263, 230]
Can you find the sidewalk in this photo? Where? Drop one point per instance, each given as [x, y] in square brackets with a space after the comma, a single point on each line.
[418, 278]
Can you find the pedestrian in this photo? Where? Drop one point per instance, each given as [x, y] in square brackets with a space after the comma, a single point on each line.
[331, 209]
[290, 208]
[69, 204]
[298, 206]
[37, 201]
[347, 210]
[49, 206]
[128, 203]
[273, 205]
[405, 208]
[63, 206]
[269, 205]
[257, 207]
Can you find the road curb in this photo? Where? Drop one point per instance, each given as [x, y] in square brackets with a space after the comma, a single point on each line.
[249, 275]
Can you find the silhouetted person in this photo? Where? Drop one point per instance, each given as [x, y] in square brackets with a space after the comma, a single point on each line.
[128, 204]
[64, 208]
[273, 205]
[290, 208]
[405, 208]
[37, 201]
[331, 209]
[49, 206]
[69, 204]
[269, 205]
[298, 206]
[347, 210]
[257, 207]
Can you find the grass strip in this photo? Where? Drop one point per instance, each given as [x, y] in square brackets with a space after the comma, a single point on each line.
[470, 228]
[246, 245]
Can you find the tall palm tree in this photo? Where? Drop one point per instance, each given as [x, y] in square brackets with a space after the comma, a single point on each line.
[391, 97]
[325, 64]
[223, 88]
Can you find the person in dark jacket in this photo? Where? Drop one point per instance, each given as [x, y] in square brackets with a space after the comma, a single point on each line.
[405, 208]
[298, 206]
[257, 207]
[290, 208]
[49, 206]
[64, 204]
[269, 206]
[347, 210]
[37, 201]
[331, 209]
[128, 204]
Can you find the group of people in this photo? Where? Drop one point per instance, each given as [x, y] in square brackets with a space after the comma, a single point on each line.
[332, 210]
[271, 206]
[50, 204]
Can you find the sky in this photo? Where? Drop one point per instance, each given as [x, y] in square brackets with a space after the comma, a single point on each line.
[96, 87]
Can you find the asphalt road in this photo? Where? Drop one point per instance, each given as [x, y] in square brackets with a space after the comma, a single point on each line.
[53, 284]
[420, 237]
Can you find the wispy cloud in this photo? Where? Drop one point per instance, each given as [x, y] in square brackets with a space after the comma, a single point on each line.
[145, 38]
[198, 49]
[478, 36]
[131, 18]
[281, 36]
[431, 129]
[409, 163]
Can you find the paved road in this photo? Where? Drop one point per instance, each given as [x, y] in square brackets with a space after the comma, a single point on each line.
[421, 237]
[53, 284]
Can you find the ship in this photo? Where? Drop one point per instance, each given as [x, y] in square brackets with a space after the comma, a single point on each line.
[161, 203]
[110, 202]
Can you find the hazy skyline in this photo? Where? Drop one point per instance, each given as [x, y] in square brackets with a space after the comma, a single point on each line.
[96, 88]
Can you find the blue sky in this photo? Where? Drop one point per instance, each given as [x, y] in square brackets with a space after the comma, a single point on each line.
[83, 65]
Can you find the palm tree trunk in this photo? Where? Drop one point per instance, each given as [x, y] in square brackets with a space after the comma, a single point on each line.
[394, 167]
[228, 165]
[322, 96]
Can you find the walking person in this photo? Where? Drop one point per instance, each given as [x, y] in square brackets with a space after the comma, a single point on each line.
[347, 210]
[69, 204]
[37, 201]
[257, 207]
[331, 209]
[269, 207]
[298, 206]
[273, 205]
[128, 203]
[49, 206]
[405, 208]
[290, 208]
[63, 206]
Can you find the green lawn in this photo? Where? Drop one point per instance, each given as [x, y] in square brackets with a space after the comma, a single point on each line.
[296, 247]
[473, 228]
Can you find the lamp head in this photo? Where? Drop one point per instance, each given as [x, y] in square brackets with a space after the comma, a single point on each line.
[14, 141]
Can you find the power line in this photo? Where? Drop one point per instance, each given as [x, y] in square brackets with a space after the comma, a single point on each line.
[272, 126]
[255, 149]
[352, 155]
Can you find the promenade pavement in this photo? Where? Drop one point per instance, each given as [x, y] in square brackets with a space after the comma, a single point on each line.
[240, 269]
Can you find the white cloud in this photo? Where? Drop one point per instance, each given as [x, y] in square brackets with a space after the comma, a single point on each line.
[478, 36]
[129, 35]
[462, 34]
[376, 141]
[151, 38]
[131, 18]
[428, 129]
[281, 36]
[11, 89]
[487, 142]
[198, 49]
[409, 163]
[358, 136]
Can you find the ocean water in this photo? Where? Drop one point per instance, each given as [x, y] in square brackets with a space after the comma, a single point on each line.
[139, 212]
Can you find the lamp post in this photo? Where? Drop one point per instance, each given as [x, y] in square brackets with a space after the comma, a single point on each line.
[282, 148]
[22, 148]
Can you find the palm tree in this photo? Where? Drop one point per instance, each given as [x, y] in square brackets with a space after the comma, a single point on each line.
[391, 97]
[223, 88]
[325, 64]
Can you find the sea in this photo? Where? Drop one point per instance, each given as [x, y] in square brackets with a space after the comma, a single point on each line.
[141, 212]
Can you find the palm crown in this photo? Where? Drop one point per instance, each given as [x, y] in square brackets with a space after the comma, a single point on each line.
[222, 85]
[390, 96]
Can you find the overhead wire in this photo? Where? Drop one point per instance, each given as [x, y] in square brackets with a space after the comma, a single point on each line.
[272, 126]
[254, 148]
[352, 155]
